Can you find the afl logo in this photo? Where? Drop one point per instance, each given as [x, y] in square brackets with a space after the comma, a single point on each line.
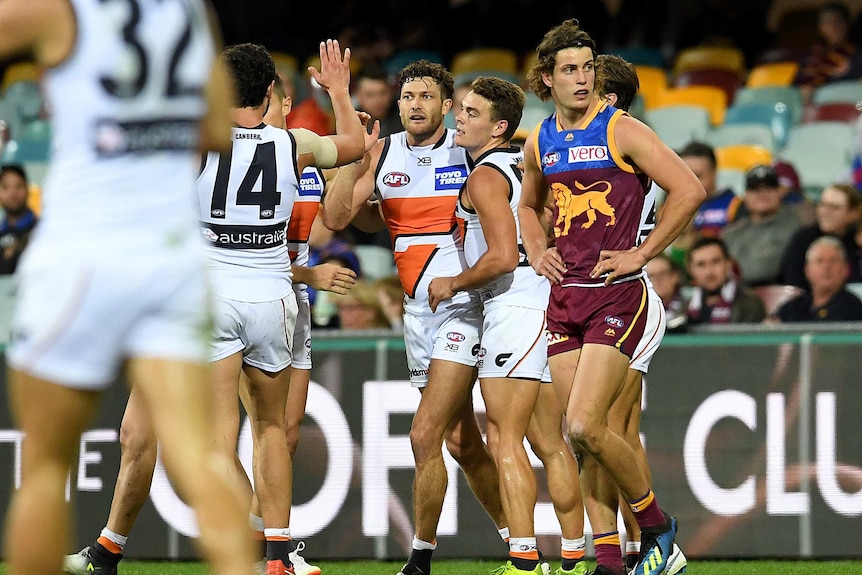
[614, 321]
[267, 214]
[455, 336]
[396, 179]
[217, 213]
[550, 158]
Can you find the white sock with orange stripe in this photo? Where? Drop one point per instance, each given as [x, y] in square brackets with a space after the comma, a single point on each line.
[524, 553]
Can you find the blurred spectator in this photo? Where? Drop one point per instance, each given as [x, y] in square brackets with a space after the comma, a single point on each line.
[721, 205]
[827, 299]
[835, 56]
[667, 282]
[758, 240]
[390, 294]
[18, 220]
[314, 112]
[336, 250]
[373, 93]
[717, 297]
[837, 215]
[360, 308]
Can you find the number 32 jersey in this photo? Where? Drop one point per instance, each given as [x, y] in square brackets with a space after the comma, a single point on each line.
[246, 199]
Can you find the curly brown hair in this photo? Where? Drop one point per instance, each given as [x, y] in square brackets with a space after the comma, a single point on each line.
[425, 68]
[566, 35]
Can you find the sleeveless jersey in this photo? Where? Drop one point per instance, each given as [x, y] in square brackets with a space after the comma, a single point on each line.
[246, 198]
[127, 103]
[521, 287]
[598, 197]
[418, 189]
[311, 185]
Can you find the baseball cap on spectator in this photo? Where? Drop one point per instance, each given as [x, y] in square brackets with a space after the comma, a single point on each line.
[761, 175]
[787, 175]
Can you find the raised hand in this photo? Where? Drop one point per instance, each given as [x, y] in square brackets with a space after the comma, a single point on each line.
[334, 70]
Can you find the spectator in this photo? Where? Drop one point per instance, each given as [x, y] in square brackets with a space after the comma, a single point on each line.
[837, 215]
[18, 220]
[360, 308]
[721, 205]
[390, 294]
[791, 191]
[339, 251]
[717, 298]
[373, 93]
[758, 240]
[827, 299]
[314, 112]
[834, 57]
[667, 281]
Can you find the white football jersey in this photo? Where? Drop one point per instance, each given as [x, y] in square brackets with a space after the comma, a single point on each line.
[521, 287]
[418, 188]
[126, 106]
[246, 199]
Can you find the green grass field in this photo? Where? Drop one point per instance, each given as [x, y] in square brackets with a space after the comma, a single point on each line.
[484, 567]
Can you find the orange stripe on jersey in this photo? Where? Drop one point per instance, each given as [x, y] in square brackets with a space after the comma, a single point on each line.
[301, 218]
[411, 263]
[422, 215]
[612, 144]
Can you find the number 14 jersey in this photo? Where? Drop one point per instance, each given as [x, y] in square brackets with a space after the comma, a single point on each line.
[246, 198]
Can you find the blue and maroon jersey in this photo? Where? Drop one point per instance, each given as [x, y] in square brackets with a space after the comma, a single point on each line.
[597, 196]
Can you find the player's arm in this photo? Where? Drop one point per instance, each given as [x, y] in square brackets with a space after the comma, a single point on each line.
[326, 276]
[349, 191]
[643, 148]
[43, 30]
[487, 192]
[531, 215]
[334, 77]
[220, 96]
[369, 218]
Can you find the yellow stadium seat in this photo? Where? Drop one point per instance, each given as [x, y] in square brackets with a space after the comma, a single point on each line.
[700, 57]
[710, 97]
[485, 60]
[741, 157]
[772, 74]
[653, 81]
[285, 62]
[18, 72]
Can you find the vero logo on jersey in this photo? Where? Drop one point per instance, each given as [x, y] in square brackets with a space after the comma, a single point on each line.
[550, 158]
[450, 178]
[588, 154]
[396, 179]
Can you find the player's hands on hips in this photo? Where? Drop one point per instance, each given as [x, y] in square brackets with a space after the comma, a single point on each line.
[550, 264]
[618, 263]
[332, 277]
[439, 290]
[334, 70]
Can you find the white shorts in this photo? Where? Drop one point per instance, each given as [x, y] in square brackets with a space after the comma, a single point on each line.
[449, 335]
[653, 333]
[79, 316]
[302, 331]
[513, 343]
[262, 331]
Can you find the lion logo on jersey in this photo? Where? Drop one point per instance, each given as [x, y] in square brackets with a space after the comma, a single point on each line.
[570, 206]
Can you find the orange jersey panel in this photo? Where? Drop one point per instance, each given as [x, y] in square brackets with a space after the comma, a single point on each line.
[419, 216]
[411, 263]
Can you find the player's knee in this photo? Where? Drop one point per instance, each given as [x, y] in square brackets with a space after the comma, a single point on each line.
[425, 440]
[292, 434]
[137, 441]
[582, 432]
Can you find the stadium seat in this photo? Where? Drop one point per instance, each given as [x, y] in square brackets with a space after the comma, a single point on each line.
[638, 108]
[653, 81]
[535, 111]
[710, 98]
[679, 125]
[727, 80]
[741, 157]
[375, 261]
[748, 134]
[831, 112]
[25, 151]
[641, 56]
[403, 57]
[730, 178]
[468, 77]
[773, 115]
[847, 91]
[790, 96]
[821, 152]
[285, 62]
[22, 103]
[8, 289]
[20, 72]
[780, 54]
[772, 74]
[499, 59]
[703, 57]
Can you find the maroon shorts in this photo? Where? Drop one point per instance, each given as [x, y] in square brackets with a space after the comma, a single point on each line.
[615, 315]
